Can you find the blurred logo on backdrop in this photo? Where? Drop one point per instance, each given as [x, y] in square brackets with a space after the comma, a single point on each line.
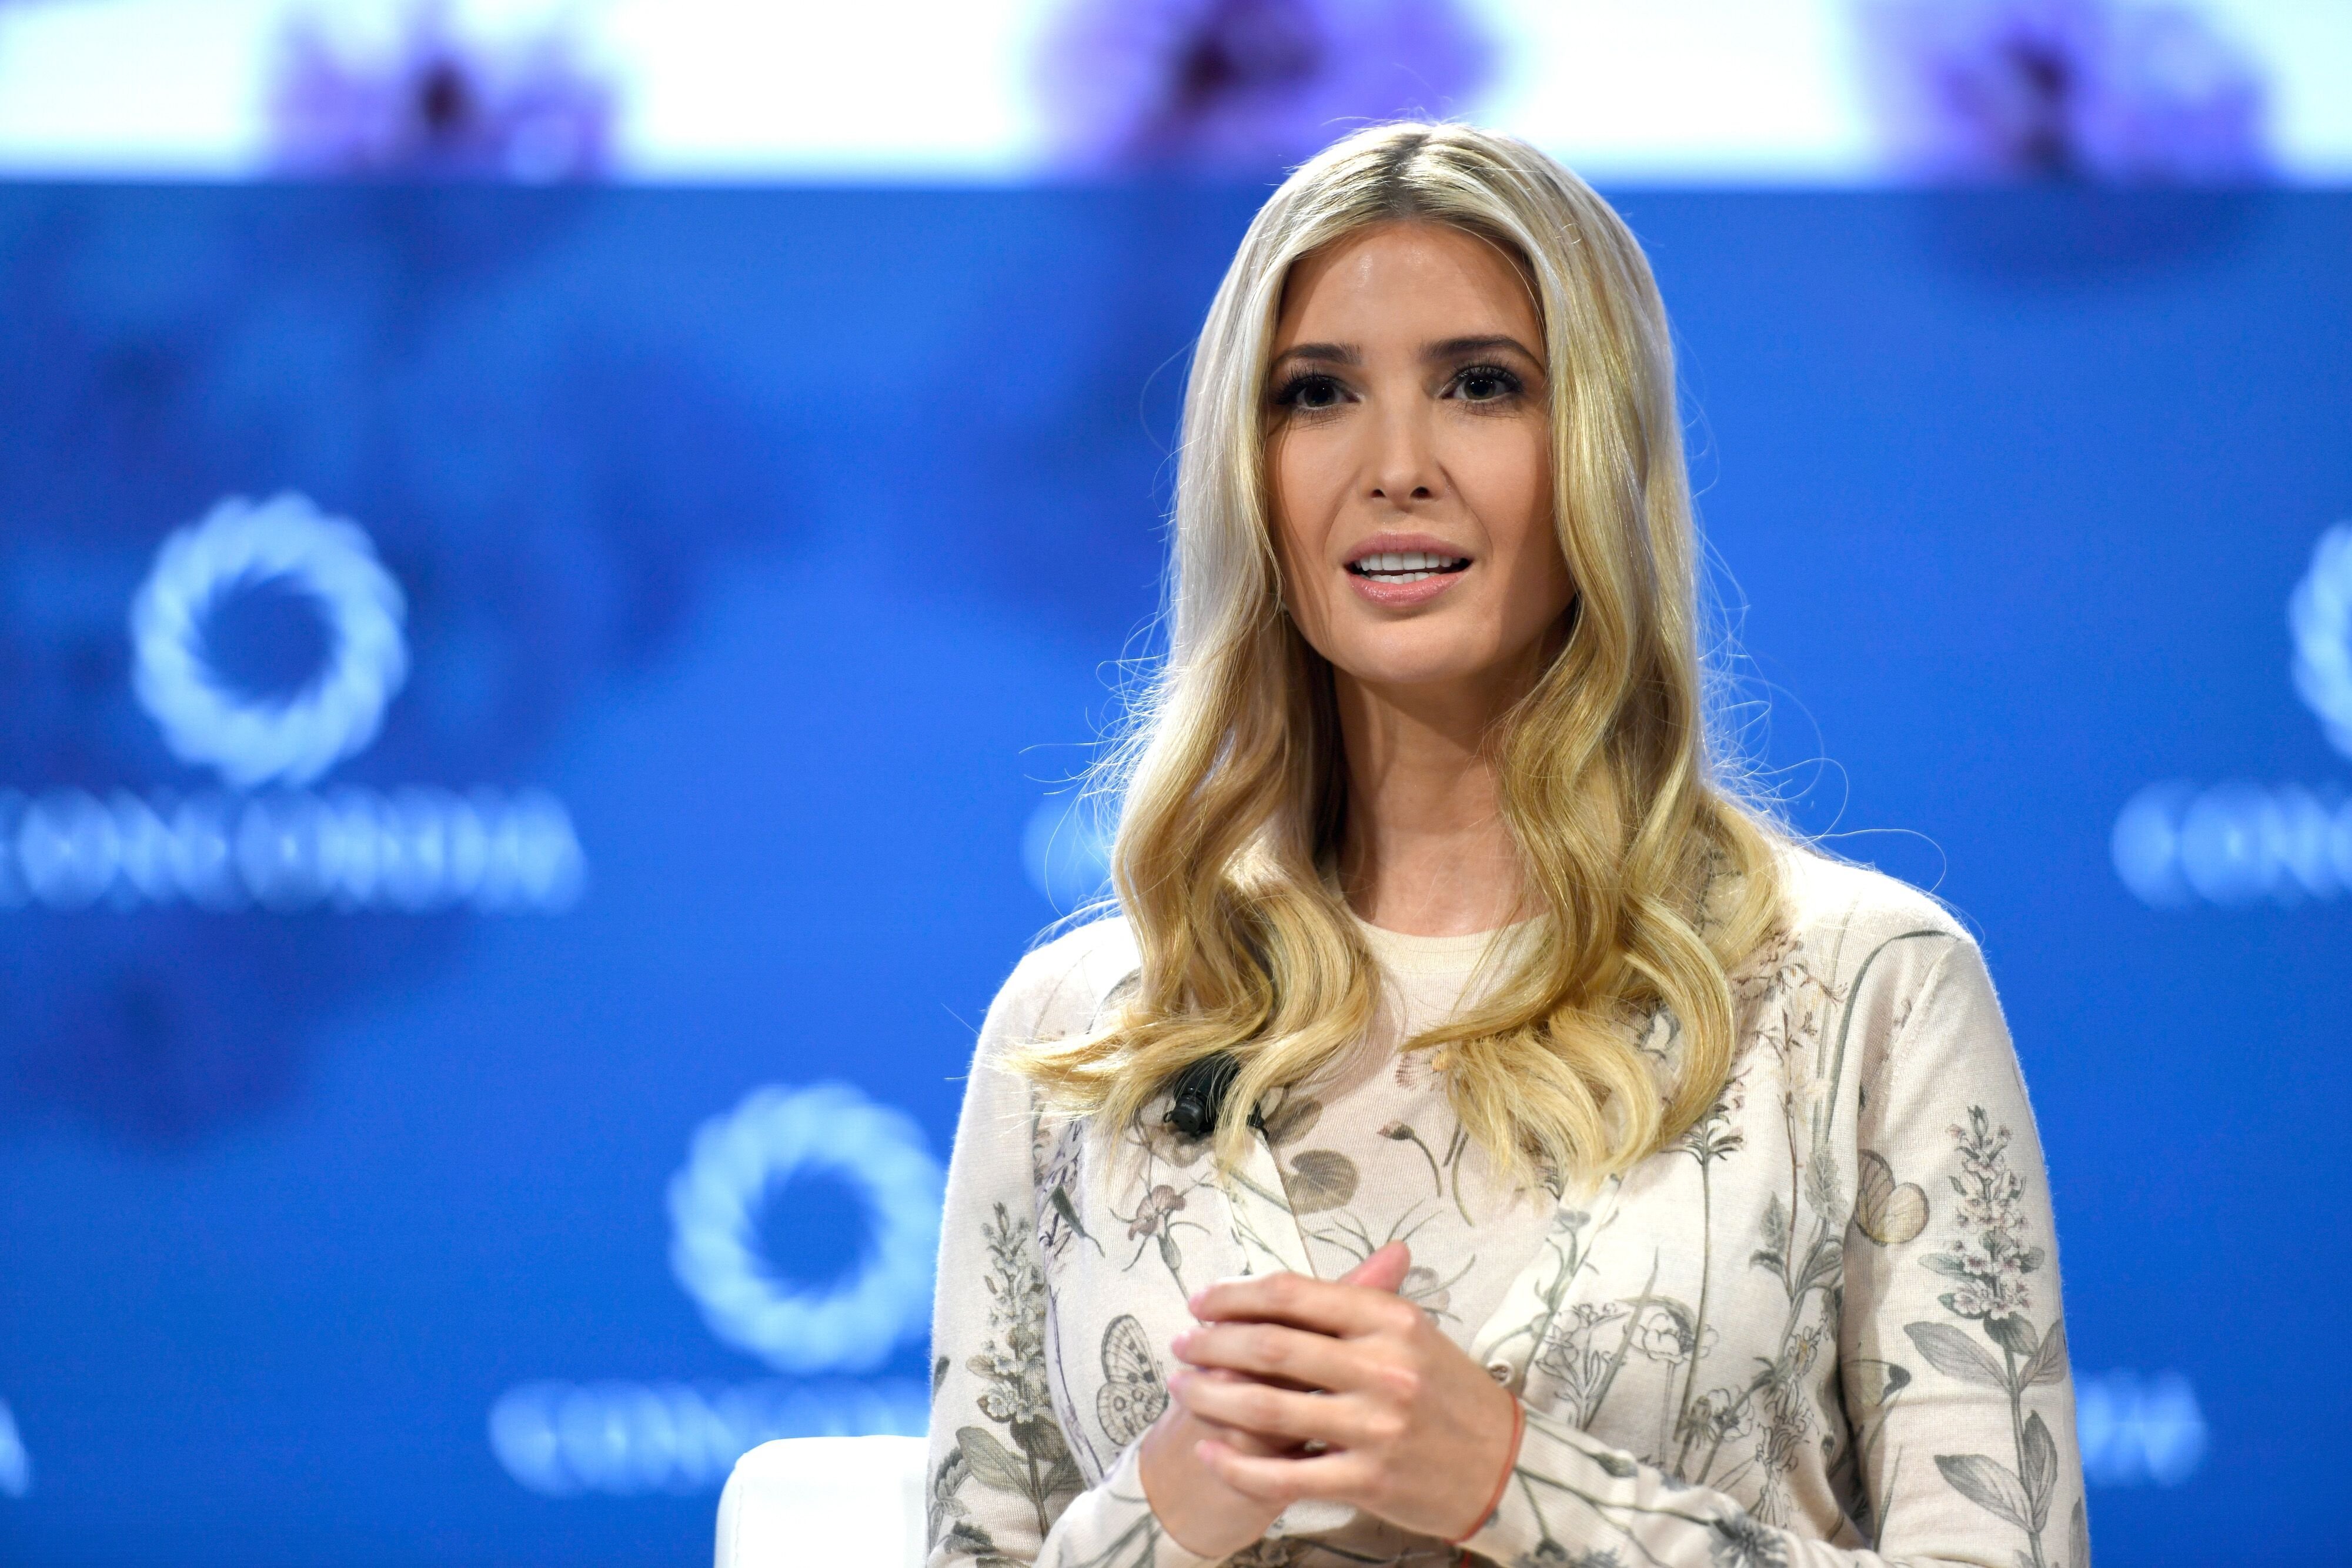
[15, 1464]
[620, 1437]
[2177, 844]
[2139, 1431]
[309, 589]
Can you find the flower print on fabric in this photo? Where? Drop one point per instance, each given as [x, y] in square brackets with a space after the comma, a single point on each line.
[1741, 1542]
[1989, 1259]
[1036, 1465]
[1246, 85]
[2080, 90]
[436, 99]
[1989, 1262]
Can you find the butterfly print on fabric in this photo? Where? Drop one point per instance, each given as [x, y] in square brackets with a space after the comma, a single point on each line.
[1133, 1393]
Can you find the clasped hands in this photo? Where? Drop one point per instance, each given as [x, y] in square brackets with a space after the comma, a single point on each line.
[1294, 1388]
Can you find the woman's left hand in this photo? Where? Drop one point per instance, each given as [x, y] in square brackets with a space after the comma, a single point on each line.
[1409, 1428]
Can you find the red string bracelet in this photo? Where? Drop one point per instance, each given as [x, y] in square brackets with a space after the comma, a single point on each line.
[1510, 1463]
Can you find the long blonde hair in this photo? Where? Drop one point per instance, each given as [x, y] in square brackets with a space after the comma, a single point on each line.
[1657, 882]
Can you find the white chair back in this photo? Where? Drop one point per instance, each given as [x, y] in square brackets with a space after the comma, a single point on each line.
[839, 1502]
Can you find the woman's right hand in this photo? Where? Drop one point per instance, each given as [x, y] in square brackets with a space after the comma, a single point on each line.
[1207, 1517]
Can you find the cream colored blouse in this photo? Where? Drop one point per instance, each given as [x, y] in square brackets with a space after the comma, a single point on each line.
[1823, 1327]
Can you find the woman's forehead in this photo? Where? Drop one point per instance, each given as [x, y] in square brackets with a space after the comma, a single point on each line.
[1404, 280]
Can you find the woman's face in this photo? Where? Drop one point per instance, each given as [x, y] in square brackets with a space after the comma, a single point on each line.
[1409, 456]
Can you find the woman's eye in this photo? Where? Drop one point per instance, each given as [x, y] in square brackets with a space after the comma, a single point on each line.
[1309, 391]
[1486, 384]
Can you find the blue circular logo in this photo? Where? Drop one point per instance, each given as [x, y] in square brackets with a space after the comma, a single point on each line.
[715, 1205]
[205, 719]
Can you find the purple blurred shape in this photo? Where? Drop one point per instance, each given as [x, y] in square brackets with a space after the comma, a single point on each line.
[434, 101]
[2080, 89]
[1246, 85]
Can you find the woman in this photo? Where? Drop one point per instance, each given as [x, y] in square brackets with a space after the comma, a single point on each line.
[1478, 1137]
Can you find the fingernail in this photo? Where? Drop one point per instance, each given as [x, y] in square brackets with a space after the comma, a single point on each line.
[1182, 1343]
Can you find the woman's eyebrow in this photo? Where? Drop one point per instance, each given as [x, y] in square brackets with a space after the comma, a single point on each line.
[1329, 354]
[1453, 348]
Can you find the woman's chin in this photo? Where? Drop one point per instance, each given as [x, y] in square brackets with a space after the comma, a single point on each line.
[1433, 670]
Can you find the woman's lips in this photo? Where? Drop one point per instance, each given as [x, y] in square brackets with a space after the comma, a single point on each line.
[1398, 580]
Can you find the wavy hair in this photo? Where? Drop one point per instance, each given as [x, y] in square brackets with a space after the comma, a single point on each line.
[1656, 879]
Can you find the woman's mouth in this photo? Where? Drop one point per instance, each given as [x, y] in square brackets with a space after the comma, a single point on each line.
[1406, 566]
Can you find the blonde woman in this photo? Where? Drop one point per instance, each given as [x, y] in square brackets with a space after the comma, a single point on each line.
[1477, 1137]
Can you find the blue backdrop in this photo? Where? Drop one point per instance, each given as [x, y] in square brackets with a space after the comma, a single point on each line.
[406, 1150]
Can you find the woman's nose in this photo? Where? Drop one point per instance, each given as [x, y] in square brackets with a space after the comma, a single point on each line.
[1403, 470]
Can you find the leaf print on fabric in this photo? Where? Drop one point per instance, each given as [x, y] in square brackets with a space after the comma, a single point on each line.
[940, 1504]
[1173, 1257]
[1040, 1472]
[1985, 1483]
[1056, 1155]
[1616, 1464]
[1319, 1180]
[2047, 1363]
[1291, 1120]
[1774, 1254]
[1954, 1355]
[1133, 1393]
[1067, 1213]
[991, 1460]
[2038, 1468]
[1887, 1211]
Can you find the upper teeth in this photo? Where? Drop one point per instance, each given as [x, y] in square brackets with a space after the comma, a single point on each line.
[1405, 560]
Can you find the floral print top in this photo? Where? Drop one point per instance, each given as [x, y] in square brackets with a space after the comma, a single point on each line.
[1823, 1327]
[1471, 1231]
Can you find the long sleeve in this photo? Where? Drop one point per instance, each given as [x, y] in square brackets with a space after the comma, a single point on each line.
[1004, 1486]
[1954, 1346]
[1958, 1414]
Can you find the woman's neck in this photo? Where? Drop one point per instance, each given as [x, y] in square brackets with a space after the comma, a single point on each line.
[1426, 852]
